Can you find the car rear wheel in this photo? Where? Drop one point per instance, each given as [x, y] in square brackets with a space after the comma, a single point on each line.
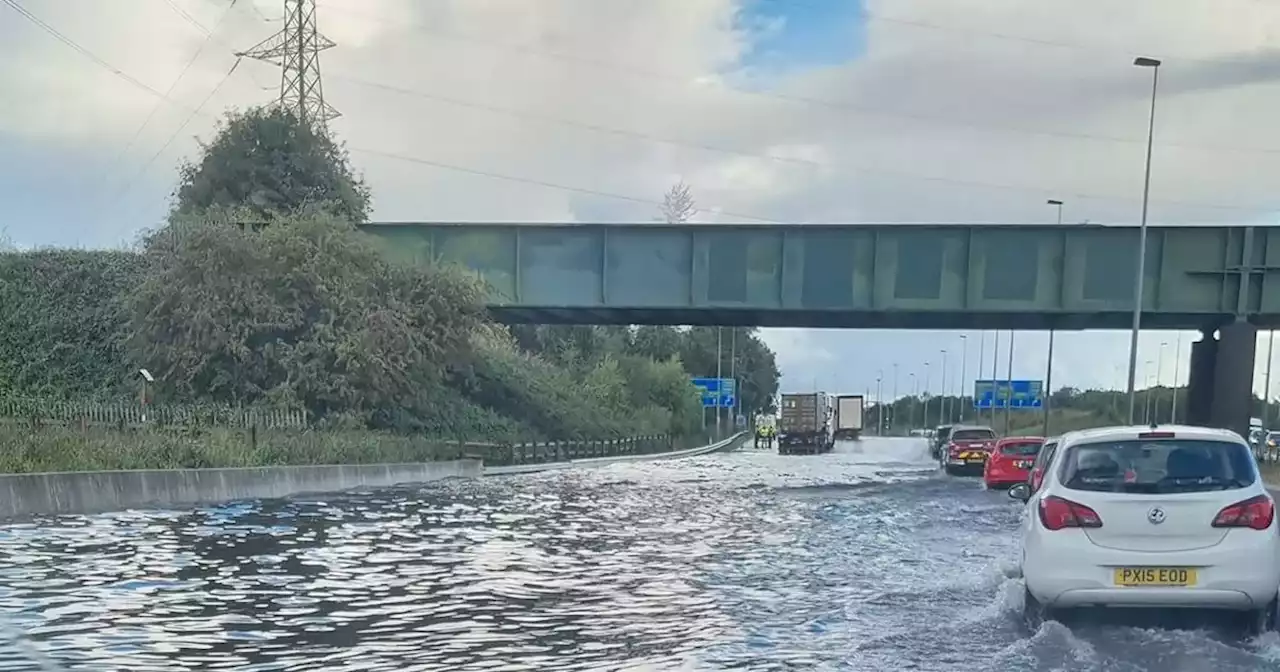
[1262, 621]
[1034, 614]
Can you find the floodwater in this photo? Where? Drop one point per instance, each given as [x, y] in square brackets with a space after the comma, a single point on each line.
[863, 559]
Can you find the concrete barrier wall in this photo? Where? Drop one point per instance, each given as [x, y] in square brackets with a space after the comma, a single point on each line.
[100, 491]
[79, 492]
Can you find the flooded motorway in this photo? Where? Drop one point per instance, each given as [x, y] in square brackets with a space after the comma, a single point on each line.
[864, 559]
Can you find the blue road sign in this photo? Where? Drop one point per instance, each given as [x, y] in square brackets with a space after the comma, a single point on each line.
[1008, 394]
[717, 392]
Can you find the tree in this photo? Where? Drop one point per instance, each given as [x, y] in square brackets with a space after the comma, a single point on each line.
[268, 163]
[307, 314]
[678, 206]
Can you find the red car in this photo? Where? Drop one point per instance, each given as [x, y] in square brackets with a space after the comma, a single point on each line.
[1010, 461]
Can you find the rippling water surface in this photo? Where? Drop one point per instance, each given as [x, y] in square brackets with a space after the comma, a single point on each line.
[864, 559]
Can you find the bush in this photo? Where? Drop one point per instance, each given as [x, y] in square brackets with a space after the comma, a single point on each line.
[63, 322]
[304, 313]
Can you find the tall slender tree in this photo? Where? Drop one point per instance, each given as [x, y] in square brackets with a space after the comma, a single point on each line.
[678, 206]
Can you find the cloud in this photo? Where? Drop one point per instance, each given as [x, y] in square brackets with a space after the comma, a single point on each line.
[938, 110]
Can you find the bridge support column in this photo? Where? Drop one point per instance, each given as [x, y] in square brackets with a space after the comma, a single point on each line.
[1220, 381]
[1204, 357]
[1233, 377]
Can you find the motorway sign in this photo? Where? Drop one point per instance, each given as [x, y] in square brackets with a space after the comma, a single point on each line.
[1011, 394]
[717, 392]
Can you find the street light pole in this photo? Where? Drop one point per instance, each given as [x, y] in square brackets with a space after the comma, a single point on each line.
[719, 380]
[964, 371]
[1146, 420]
[982, 351]
[1177, 365]
[915, 398]
[944, 418]
[1140, 272]
[1266, 392]
[995, 385]
[879, 403]
[1159, 377]
[893, 419]
[1008, 407]
[1048, 367]
[926, 394]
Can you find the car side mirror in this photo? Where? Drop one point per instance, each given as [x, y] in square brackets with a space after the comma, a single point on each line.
[1020, 492]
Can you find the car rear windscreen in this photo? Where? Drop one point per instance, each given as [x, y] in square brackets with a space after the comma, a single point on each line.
[1022, 448]
[972, 435]
[1158, 466]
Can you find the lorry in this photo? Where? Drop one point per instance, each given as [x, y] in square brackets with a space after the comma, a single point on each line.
[849, 417]
[805, 424]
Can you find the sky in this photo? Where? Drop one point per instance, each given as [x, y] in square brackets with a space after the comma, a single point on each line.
[855, 111]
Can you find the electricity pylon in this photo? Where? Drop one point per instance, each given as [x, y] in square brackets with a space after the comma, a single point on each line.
[296, 49]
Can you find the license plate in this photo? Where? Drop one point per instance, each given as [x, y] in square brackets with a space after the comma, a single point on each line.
[1155, 576]
[1022, 464]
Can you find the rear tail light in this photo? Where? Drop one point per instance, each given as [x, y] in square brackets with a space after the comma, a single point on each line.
[953, 448]
[1255, 512]
[1057, 513]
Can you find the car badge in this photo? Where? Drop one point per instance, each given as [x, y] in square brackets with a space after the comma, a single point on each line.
[1155, 516]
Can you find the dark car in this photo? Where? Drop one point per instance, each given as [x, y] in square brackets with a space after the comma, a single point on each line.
[941, 436]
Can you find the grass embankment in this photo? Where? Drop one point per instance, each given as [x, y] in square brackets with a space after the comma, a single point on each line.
[64, 449]
[53, 449]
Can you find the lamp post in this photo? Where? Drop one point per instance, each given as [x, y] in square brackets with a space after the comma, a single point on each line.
[915, 398]
[1146, 419]
[964, 371]
[944, 418]
[1159, 376]
[982, 348]
[1008, 407]
[893, 419]
[879, 403]
[1140, 272]
[1266, 392]
[1048, 367]
[995, 384]
[1177, 362]
[926, 394]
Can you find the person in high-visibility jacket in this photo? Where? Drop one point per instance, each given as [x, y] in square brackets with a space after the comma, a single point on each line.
[765, 432]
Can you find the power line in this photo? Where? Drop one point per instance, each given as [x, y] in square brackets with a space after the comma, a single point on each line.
[88, 54]
[190, 19]
[561, 121]
[156, 108]
[84, 52]
[142, 171]
[542, 183]
[843, 106]
[551, 119]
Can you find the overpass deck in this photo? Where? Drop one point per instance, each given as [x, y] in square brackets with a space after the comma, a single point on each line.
[861, 276]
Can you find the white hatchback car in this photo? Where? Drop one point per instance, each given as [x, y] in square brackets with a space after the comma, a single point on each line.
[1154, 517]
